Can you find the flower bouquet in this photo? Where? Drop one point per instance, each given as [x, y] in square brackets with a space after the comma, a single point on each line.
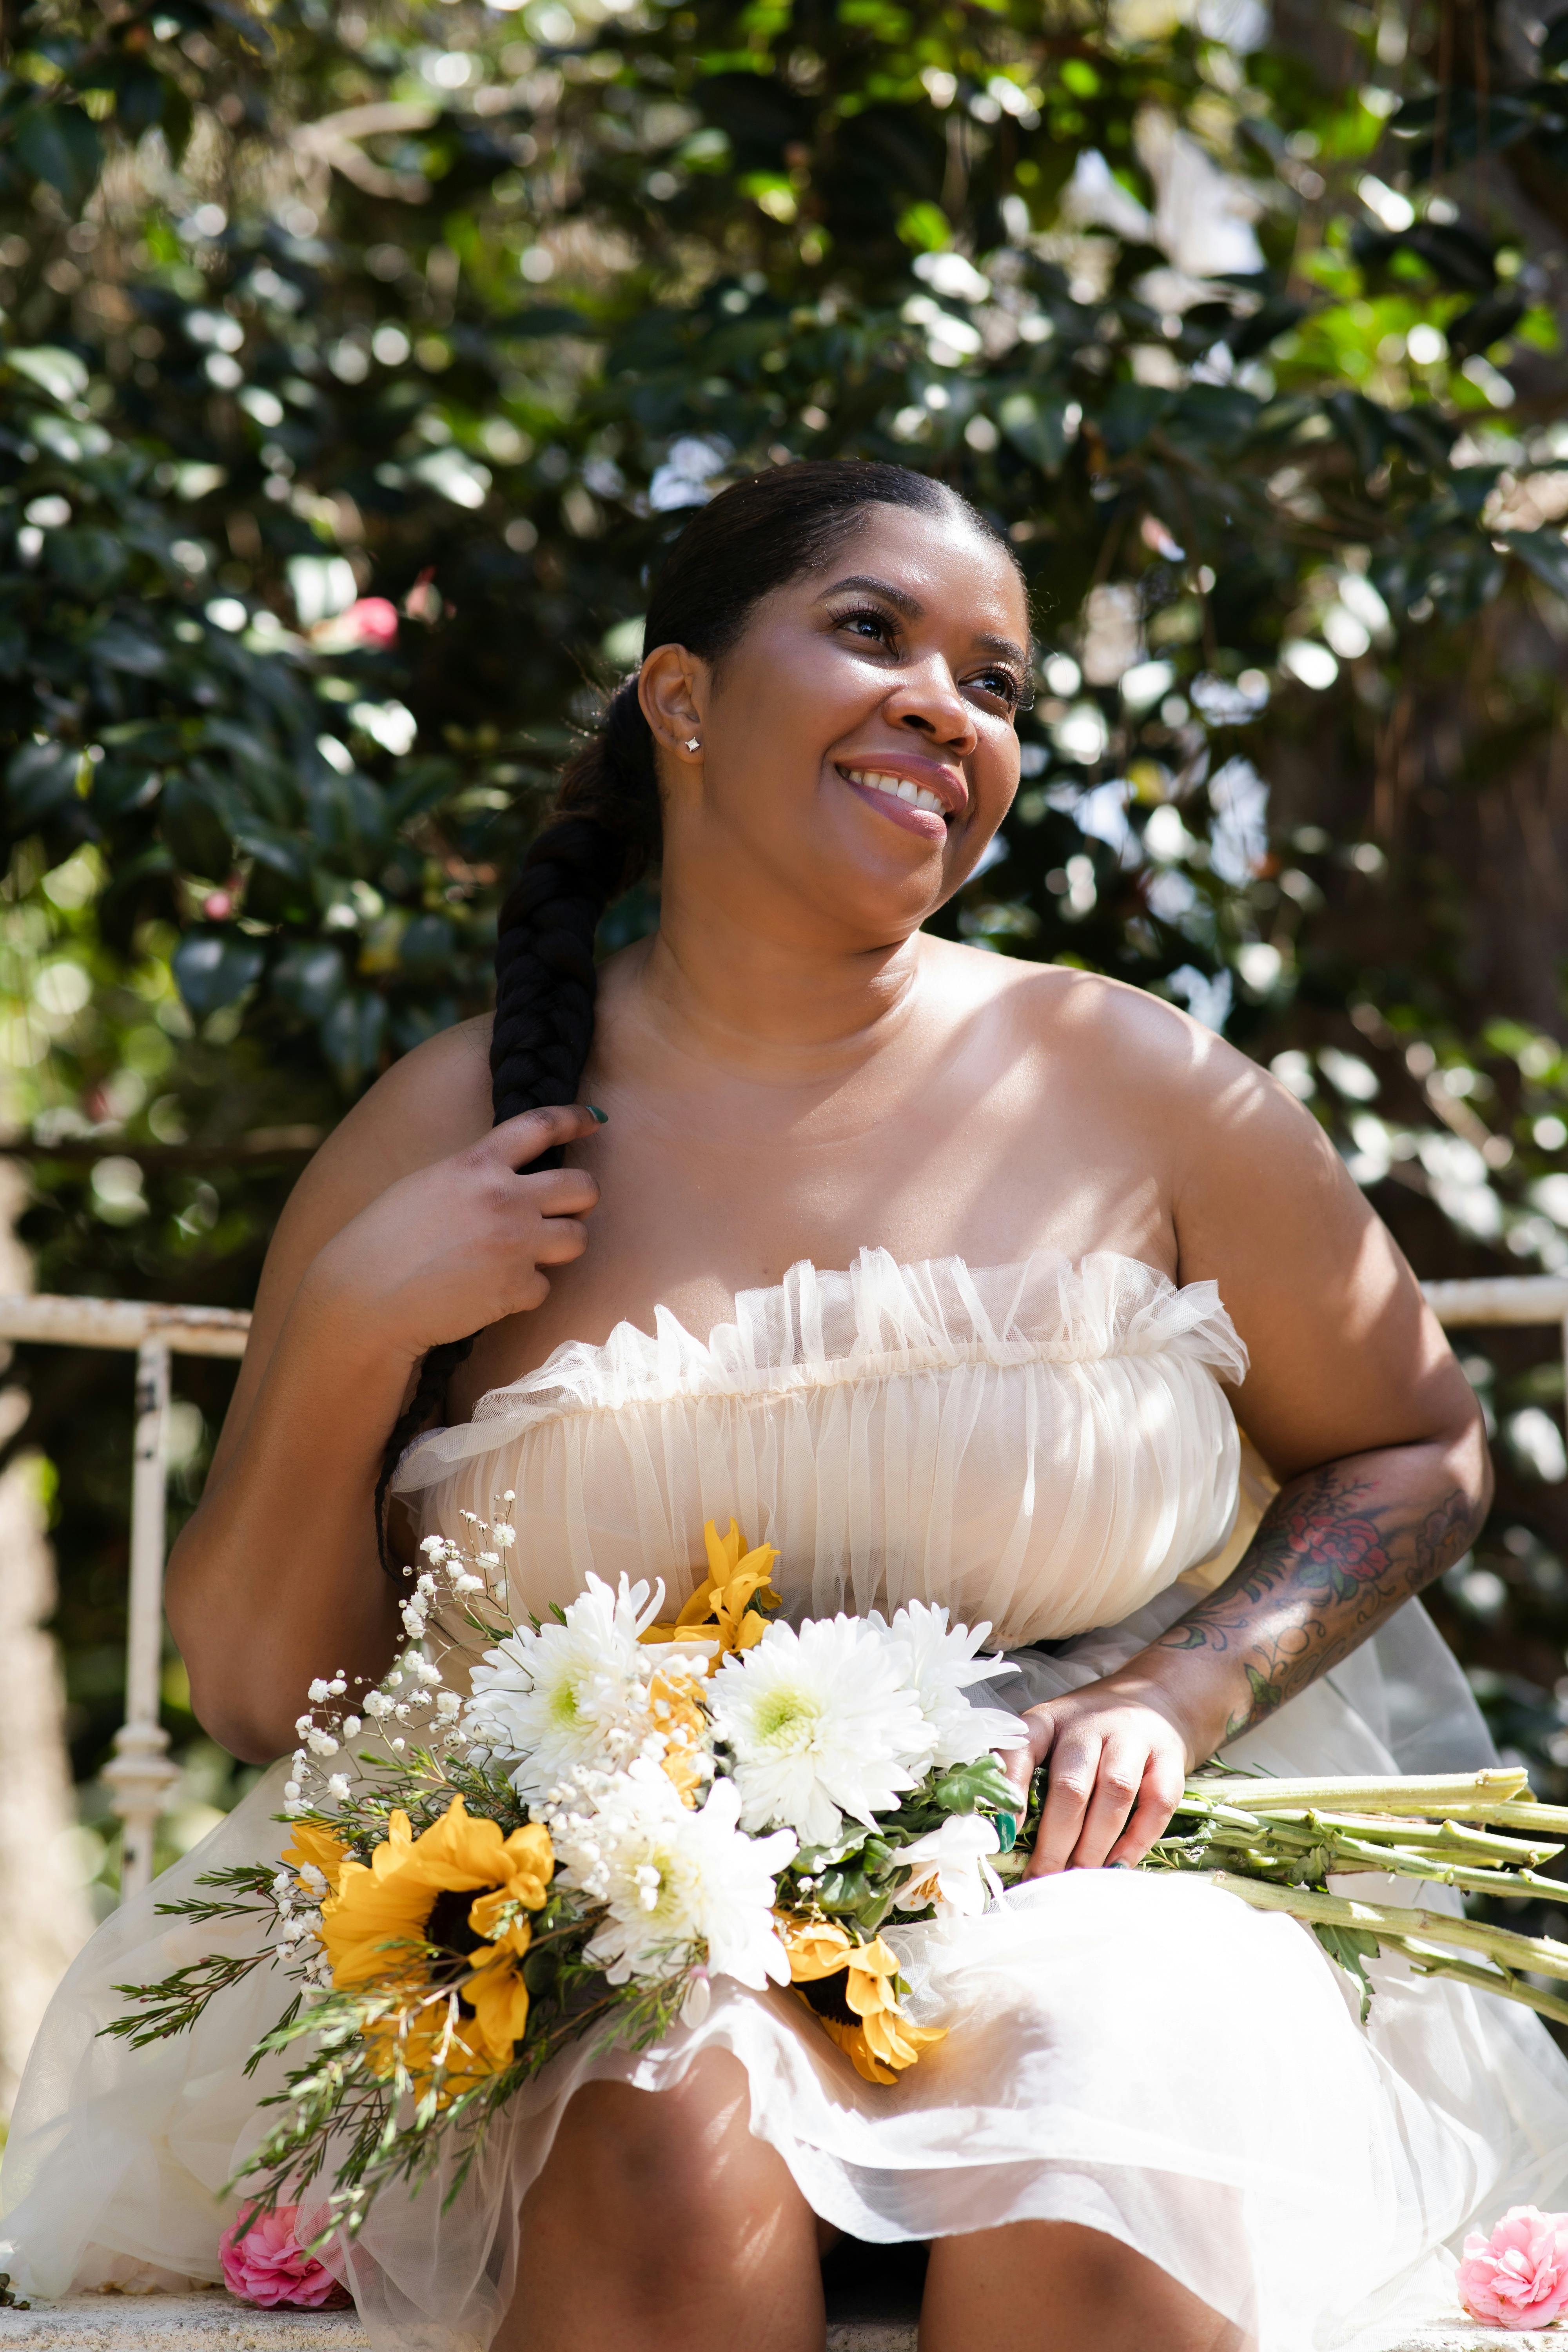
[619, 1813]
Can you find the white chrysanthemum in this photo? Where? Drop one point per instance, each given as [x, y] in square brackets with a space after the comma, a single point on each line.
[574, 1692]
[681, 1887]
[951, 1866]
[941, 1664]
[820, 1722]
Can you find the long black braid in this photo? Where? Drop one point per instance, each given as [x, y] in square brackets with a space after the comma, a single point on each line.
[603, 837]
[605, 834]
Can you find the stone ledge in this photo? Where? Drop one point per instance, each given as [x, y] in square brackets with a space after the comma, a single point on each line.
[216, 2322]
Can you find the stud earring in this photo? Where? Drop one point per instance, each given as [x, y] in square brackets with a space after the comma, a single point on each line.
[693, 743]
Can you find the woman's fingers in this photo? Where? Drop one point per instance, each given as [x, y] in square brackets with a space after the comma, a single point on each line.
[561, 1239]
[1118, 1776]
[1120, 1793]
[1019, 1765]
[521, 1139]
[1164, 1781]
[1114, 1778]
[1018, 1770]
[1069, 1786]
[559, 1193]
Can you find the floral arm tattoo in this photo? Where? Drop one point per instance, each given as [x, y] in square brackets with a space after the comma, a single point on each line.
[1331, 1558]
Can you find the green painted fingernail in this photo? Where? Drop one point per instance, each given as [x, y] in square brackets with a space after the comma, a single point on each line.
[594, 1112]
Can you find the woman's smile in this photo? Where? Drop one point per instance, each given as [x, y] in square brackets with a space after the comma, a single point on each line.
[918, 795]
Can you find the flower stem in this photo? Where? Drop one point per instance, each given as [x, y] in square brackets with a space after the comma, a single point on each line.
[1428, 1962]
[1509, 1949]
[1444, 1792]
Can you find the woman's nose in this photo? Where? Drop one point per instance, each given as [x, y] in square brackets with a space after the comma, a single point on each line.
[929, 701]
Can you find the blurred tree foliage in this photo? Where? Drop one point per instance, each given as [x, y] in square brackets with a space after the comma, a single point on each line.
[356, 360]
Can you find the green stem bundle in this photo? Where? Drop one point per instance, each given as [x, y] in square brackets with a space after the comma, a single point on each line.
[1276, 1844]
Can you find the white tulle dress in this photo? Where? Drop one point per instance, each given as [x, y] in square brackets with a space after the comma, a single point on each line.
[1044, 1446]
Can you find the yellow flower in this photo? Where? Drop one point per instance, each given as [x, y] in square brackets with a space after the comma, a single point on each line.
[721, 1609]
[314, 1844]
[680, 1719]
[862, 2015]
[384, 1914]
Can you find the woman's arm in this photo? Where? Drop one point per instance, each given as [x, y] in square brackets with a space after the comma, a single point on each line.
[1337, 1550]
[1355, 1400]
[386, 1248]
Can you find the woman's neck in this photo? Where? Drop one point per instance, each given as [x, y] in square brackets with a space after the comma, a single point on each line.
[750, 996]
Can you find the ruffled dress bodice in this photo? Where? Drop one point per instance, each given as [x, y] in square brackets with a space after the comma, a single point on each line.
[1043, 1446]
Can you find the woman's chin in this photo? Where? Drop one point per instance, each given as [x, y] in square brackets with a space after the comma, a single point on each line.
[874, 853]
[872, 898]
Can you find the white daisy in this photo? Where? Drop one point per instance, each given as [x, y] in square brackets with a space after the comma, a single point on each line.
[683, 1889]
[574, 1692]
[820, 1722]
[941, 1664]
[951, 1866]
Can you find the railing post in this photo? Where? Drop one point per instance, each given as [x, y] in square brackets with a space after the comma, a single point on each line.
[141, 1775]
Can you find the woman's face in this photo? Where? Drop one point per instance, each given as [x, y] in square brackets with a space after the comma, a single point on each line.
[857, 745]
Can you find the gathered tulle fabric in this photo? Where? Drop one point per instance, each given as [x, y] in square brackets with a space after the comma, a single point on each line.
[1144, 2055]
[1042, 1447]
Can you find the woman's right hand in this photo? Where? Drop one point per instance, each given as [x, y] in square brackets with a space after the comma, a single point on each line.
[461, 1243]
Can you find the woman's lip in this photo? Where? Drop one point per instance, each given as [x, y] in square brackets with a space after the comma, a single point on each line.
[938, 780]
[925, 822]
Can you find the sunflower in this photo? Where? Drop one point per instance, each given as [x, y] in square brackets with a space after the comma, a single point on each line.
[862, 2013]
[380, 1924]
[728, 1608]
[317, 1847]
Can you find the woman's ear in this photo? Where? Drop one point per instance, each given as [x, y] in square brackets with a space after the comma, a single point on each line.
[673, 692]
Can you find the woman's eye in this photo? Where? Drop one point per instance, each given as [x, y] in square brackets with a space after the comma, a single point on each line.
[869, 624]
[1003, 687]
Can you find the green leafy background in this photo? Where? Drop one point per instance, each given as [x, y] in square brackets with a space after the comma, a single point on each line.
[356, 362]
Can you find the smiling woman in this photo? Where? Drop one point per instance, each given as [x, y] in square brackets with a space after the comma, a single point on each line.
[947, 1275]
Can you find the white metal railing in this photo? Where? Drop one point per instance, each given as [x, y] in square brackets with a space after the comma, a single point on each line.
[141, 1775]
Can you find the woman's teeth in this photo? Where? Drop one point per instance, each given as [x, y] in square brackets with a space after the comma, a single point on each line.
[900, 787]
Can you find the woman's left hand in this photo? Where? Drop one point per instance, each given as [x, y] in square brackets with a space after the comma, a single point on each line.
[1117, 1761]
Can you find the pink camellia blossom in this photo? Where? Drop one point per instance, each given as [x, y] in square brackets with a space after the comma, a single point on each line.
[372, 621]
[1519, 2276]
[367, 625]
[269, 2265]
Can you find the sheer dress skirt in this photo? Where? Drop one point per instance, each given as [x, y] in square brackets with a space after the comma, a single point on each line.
[1142, 2055]
[1044, 1446]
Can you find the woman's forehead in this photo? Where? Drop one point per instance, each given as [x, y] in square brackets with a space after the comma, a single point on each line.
[945, 563]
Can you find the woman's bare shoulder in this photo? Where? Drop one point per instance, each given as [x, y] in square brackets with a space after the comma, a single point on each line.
[1343, 1354]
[1124, 1033]
[432, 1102]
[1228, 1144]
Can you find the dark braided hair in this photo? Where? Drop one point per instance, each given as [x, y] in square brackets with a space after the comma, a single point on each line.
[605, 833]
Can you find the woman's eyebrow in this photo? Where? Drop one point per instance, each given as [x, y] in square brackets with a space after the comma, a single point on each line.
[913, 609]
[899, 598]
[1003, 645]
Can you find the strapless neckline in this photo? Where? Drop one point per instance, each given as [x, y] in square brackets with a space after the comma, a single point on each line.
[875, 1319]
[955, 1265]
